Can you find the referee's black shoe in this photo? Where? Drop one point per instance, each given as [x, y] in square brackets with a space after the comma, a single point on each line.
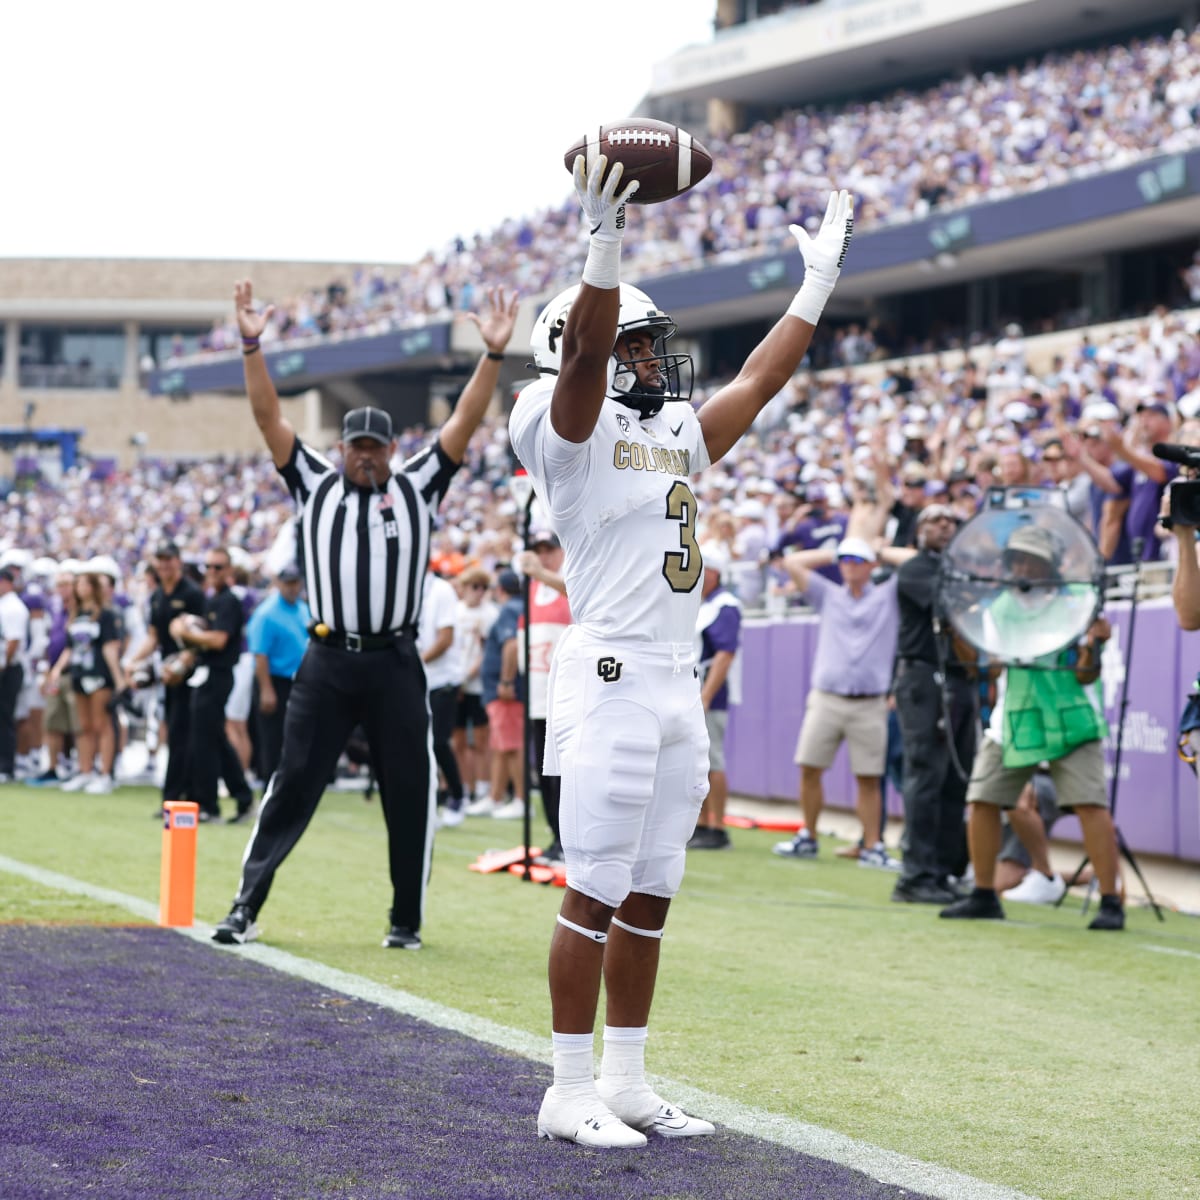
[400, 937]
[237, 928]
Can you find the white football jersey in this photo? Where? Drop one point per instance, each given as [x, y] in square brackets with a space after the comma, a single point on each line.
[623, 508]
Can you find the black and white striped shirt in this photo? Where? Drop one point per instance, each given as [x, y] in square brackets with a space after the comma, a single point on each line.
[364, 553]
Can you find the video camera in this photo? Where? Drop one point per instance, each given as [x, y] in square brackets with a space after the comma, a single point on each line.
[1185, 493]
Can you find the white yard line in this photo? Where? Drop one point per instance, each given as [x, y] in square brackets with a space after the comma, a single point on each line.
[1169, 950]
[884, 1165]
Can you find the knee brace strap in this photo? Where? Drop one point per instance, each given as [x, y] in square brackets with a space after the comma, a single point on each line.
[592, 935]
[650, 933]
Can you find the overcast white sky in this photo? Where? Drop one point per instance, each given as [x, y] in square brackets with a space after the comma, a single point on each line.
[328, 130]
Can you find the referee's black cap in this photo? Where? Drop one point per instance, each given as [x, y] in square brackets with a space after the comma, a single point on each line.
[369, 423]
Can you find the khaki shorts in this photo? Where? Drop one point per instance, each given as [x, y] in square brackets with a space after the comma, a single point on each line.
[1078, 777]
[830, 719]
[715, 721]
[60, 711]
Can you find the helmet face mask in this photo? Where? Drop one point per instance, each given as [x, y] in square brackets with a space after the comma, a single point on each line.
[625, 383]
[640, 352]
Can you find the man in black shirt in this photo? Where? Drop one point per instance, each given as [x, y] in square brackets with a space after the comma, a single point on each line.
[934, 841]
[174, 596]
[216, 644]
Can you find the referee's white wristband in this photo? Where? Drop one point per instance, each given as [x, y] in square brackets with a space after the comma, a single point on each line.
[809, 301]
[603, 266]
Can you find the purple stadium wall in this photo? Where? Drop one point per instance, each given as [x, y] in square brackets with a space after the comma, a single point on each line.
[1157, 796]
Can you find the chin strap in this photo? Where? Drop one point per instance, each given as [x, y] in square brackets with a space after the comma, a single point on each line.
[644, 405]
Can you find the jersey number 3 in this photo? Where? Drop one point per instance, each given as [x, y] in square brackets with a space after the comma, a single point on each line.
[682, 567]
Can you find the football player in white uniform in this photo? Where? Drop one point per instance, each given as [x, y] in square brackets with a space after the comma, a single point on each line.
[610, 440]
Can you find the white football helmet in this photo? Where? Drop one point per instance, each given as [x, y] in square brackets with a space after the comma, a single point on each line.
[637, 312]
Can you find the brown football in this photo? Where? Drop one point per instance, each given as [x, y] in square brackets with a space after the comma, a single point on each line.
[664, 159]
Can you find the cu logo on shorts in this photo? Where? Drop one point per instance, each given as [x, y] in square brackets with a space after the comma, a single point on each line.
[609, 670]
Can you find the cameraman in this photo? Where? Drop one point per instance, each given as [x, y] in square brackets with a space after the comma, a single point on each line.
[934, 693]
[1054, 704]
[1180, 513]
[1185, 591]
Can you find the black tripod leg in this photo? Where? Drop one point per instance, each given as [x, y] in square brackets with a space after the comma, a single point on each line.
[1072, 882]
[1127, 854]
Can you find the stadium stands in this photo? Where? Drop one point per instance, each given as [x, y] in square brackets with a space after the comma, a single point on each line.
[967, 141]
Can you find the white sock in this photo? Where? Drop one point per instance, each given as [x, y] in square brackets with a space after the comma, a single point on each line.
[624, 1053]
[574, 1062]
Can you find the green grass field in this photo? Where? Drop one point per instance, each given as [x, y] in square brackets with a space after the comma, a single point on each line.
[1030, 1053]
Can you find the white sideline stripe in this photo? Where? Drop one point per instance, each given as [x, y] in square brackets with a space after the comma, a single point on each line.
[1169, 950]
[884, 1165]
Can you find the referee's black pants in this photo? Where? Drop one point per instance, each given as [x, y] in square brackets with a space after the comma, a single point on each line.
[934, 842]
[335, 690]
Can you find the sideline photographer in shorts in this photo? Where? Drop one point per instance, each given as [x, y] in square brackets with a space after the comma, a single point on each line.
[1047, 710]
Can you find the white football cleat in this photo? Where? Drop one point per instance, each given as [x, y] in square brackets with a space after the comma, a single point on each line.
[586, 1121]
[640, 1108]
[1035, 888]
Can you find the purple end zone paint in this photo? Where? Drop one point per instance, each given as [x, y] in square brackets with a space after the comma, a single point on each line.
[137, 1063]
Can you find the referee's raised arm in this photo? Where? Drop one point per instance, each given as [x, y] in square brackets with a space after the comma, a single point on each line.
[362, 542]
[277, 431]
[495, 327]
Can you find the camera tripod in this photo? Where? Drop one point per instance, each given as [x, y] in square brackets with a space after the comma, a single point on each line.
[1122, 845]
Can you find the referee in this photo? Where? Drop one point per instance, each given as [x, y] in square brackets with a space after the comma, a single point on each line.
[363, 538]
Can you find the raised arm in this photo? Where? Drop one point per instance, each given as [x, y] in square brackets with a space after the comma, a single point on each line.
[868, 519]
[895, 556]
[799, 564]
[531, 567]
[277, 431]
[774, 360]
[1138, 458]
[495, 327]
[591, 329]
[1099, 474]
[1185, 591]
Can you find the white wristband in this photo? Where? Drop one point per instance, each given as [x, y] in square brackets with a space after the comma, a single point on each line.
[603, 266]
[809, 301]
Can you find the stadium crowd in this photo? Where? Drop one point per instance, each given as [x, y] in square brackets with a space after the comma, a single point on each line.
[968, 140]
[832, 450]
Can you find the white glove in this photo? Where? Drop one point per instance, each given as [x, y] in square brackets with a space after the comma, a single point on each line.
[604, 212]
[603, 209]
[823, 256]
